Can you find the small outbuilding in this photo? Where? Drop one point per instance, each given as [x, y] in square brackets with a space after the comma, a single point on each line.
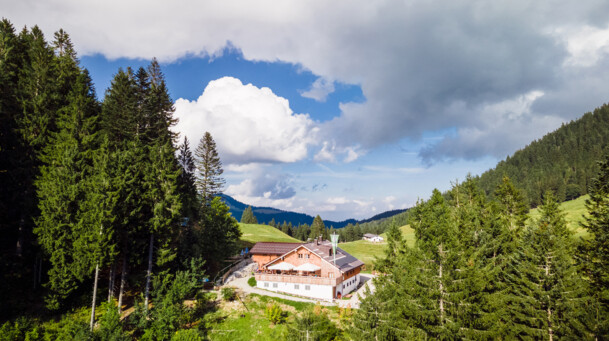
[373, 237]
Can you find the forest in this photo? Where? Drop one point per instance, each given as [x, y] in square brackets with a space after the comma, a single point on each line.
[479, 270]
[563, 161]
[98, 194]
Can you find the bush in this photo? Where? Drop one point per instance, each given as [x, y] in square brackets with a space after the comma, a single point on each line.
[187, 335]
[316, 326]
[275, 314]
[110, 327]
[228, 294]
[252, 281]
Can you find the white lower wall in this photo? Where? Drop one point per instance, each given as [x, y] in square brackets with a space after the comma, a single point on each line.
[348, 285]
[323, 292]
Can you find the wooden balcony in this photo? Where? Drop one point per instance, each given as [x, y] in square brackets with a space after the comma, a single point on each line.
[296, 279]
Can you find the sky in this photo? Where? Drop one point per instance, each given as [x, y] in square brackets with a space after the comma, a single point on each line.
[349, 108]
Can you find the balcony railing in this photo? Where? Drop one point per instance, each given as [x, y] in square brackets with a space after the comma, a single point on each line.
[296, 279]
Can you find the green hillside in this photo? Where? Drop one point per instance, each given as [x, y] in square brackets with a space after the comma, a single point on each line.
[253, 233]
[367, 251]
[574, 213]
[563, 161]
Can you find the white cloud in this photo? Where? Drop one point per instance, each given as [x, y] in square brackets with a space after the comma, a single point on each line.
[329, 151]
[586, 44]
[320, 89]
[249, 124]
[263, 183]
[416, 61]
[503, 128]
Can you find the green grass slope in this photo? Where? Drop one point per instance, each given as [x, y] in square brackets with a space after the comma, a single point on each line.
[367, 251]
[575, 211]
[253, 233]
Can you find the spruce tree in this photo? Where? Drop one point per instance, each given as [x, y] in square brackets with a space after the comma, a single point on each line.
[209, 179]
[16, 196]
[317, 228]
[67, 224]
[595, 250]
[248, 217]
[545, 297]
[186, 181]
[218, 235]
[394, 249]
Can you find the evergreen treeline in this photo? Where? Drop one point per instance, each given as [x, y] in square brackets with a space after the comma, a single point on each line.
[348, 233]
[96, 195]
[563, 161]
[479, 271]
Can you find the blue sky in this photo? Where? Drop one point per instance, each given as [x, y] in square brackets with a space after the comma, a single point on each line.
[348, 109]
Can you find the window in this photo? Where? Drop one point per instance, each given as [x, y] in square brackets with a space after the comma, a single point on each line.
[274, 285]
[296, 286]
[300, 255]
[266, 284]
[331, 275]
[307, 287]
[308, 255]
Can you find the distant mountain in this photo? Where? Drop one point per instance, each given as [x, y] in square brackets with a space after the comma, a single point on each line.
[563, 161]
[266, 214]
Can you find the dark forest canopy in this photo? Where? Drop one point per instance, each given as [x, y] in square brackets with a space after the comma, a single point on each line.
[95, 194]
[563, 161]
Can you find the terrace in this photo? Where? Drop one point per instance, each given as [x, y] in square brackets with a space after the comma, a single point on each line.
[295, 278]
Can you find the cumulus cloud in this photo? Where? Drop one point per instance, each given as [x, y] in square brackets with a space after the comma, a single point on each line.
[330, 151]
[320, 89]
[422, 66]
[249, 124]
[264, 184]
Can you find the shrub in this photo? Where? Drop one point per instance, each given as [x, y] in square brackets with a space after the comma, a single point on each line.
[187, 335]
[211, 296]
[316, 326]
[252, 281]
[110, 327]
[275, 314]
[228, 294]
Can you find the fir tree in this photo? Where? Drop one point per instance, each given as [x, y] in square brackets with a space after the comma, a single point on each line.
[394, 249]
[545, 296]
[317, 228]
[67, 221]
[186, 181]
[248, 217]
[595, 250]
[209, 180]
[218, 234]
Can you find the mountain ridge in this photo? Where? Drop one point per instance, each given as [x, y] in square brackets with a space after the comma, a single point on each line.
[265, 214]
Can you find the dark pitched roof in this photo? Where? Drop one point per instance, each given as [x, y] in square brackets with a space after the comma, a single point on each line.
[272, 248]
[344, 261]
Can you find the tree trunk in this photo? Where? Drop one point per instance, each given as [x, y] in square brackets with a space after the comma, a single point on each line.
[94, 296]
[441, 286]
[149, 273]
[123, 280]
[550, 331]
[111, 282]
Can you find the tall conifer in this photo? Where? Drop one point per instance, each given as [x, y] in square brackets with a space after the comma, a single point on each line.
[209, 179]
[595, 250]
